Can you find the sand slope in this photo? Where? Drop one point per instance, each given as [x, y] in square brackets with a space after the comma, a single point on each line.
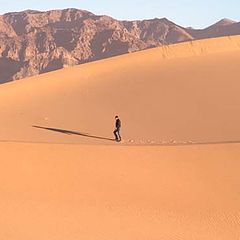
[184, 92]
[72, 192]
[68, 182]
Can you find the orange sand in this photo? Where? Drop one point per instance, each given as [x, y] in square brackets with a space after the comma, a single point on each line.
[71, 192]
[63, 185]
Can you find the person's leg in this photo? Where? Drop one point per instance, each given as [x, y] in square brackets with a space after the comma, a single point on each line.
[115, 134]
[119, 136]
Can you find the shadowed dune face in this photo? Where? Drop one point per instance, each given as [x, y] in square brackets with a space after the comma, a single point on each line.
[182, 93]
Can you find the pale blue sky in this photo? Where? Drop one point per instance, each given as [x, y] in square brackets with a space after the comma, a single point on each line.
[195, 13]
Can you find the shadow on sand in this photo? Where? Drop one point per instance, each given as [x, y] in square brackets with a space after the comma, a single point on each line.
[69, 132]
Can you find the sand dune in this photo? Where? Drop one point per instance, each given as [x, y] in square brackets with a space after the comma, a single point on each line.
[68, 180]
[184, 92]
[71, 192]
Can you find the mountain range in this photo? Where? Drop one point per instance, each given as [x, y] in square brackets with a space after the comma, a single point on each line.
[34, 42]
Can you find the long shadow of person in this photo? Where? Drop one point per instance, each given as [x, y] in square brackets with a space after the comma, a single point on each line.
[69, 132]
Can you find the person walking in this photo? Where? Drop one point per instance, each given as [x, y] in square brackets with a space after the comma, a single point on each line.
[116, 132]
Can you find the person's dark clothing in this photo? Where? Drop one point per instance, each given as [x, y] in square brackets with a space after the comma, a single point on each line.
[118, 123]
[116, 132]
